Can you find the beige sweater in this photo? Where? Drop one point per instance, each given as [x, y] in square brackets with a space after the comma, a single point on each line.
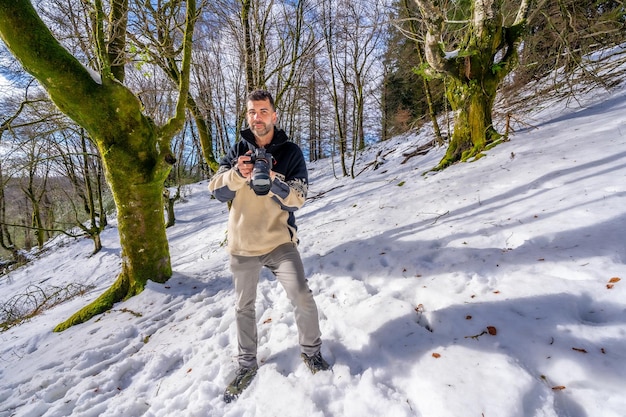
[258, 224]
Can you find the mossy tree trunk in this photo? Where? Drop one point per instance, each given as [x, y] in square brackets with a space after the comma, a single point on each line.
[473, 126]
[206, 137]
[135, 152]
[485, 54]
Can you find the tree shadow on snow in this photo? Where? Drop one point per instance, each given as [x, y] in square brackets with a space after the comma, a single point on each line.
[534, 332]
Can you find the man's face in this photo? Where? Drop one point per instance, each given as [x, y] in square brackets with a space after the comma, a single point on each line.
[261, 117]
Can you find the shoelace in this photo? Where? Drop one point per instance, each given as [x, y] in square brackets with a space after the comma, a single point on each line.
[315, 360]
[241, 373]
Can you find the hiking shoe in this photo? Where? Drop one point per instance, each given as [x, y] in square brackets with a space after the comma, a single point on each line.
[243, 378]
[315, 363]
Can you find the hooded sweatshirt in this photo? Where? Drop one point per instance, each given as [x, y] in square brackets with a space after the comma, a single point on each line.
[257, 224]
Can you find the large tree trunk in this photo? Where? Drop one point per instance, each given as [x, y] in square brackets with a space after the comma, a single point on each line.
[473, 125]
[145, 252]
[135, 152]
[486, 54]
[135, 171]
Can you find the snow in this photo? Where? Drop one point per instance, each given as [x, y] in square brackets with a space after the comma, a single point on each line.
[481, 290]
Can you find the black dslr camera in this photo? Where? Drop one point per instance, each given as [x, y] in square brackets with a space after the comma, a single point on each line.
[261, 182]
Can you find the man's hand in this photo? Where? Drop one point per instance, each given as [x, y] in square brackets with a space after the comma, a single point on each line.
[244, 165]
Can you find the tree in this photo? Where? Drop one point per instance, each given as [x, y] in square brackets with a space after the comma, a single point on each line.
[54, 167]
[563, 32]
[135, 151]
[35, 165]
[408, 94]
[6, 239]
[486, 51]
[337, 95]
[352, 35]
[155, 40]
[363, 41]
[81, 165]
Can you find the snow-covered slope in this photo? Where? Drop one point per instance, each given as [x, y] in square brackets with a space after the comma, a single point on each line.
[482, 290]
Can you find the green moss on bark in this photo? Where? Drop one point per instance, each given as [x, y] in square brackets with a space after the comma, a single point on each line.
[117, 292]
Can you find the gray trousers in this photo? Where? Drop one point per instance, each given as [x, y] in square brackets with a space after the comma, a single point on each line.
[286, 264]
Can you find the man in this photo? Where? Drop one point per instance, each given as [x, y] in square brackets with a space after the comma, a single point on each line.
[262, 233]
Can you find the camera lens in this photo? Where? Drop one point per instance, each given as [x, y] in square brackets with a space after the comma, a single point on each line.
[261, 181]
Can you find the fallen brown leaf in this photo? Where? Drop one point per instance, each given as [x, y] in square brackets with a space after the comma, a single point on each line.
[612, 281]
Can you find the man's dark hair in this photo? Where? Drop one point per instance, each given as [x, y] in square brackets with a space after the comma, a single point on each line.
[260, 95]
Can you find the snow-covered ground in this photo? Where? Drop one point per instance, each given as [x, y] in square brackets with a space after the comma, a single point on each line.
[489, 289]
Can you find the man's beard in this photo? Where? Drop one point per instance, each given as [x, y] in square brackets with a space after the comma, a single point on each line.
[261, 129]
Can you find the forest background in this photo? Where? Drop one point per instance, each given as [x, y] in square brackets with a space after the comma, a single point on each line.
[343, 73]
